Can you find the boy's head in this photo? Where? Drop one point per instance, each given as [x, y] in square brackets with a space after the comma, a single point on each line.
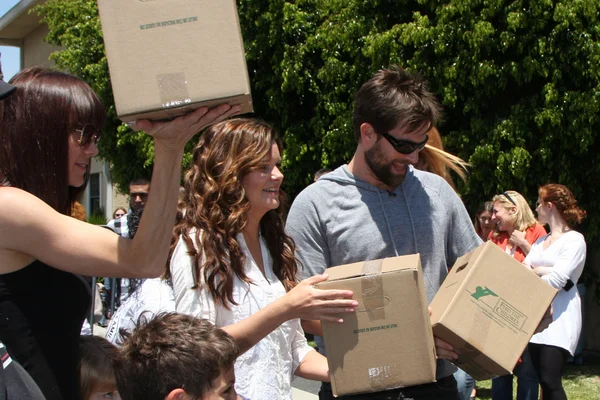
[175, 356]
[96, 373]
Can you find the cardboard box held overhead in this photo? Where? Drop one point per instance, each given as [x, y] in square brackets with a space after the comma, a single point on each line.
[167, 58]
[488, 308]
[388, 342]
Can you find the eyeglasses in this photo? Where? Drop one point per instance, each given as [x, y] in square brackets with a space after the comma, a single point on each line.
[404, 146]
[505, 194]
[87, 136]
[538, 203]
[119, 215]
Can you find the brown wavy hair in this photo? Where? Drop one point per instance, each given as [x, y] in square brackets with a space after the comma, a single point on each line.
[565, 202]
[214, 204]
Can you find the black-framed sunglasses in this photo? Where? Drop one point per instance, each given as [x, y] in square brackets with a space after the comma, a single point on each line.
[87, 136]
[404, 146]
[505, 194]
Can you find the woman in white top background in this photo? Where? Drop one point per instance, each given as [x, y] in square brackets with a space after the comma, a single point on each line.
[233, 264]
[558, 258]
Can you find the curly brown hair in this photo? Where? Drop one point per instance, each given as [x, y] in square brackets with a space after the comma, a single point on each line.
[565, 202]
[214, 208]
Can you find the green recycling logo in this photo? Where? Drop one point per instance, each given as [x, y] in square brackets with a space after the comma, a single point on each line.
[482, 292]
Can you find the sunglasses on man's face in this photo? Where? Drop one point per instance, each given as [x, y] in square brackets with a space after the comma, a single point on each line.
[404, 146]
[87, 136]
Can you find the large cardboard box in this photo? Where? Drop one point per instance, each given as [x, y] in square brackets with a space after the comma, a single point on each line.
[167, 58]
[388, 342]
[488, 308]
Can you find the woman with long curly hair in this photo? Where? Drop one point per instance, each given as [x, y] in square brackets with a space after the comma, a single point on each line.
[558, 258]
[233, 264]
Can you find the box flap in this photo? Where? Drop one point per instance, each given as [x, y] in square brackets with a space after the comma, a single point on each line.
[383, 265]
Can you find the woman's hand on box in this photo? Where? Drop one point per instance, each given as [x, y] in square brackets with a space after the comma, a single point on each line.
[173, 135]
[444, 349]
[307, 302]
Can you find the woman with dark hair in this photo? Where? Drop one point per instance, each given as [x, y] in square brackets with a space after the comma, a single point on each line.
[49, 128]
[558, 258]
[233, 264]
[483, 220]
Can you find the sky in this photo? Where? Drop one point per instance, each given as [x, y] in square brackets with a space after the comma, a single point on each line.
[11, 57]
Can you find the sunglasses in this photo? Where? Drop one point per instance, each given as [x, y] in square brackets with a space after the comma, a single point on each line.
[404, 146]
[505, 194]
[87, 136]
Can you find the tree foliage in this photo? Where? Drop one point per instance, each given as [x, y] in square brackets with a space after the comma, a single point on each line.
[519, 81]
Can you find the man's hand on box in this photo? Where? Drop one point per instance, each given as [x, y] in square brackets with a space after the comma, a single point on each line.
[546, 320]
[307, 302]
[445, 350]
[174, 134]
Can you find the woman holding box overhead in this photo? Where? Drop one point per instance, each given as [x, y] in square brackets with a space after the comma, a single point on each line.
[558, 258]
[49, 129]
[233, 264]
[515, 230]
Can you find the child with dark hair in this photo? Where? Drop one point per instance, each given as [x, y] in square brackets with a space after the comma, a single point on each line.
[96, 372]
[176, 356]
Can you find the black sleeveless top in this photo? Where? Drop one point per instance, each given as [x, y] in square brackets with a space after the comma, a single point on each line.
[41, 312]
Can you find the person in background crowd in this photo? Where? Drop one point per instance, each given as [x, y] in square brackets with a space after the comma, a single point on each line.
[483, 220]
[96, 372]
[379, 206]
[321, 172]
[44, 163]
[119, 212]
[176, 356]
[117, 290]
[558, 258]
[232, 263]
[516, 229]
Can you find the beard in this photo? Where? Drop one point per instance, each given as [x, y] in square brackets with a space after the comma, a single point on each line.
[381, 168]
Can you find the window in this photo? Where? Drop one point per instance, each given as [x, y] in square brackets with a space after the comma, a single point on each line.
[95, 204]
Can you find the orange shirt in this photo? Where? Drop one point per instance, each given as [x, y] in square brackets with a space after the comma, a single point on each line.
[532, 234]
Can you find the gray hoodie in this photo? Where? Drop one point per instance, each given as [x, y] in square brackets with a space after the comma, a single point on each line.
[340, 219]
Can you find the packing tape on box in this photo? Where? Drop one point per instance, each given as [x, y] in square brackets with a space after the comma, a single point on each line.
[372, 290]
[173, 90]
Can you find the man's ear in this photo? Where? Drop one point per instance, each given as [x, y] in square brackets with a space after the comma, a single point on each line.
[368, 136]
[177, 394]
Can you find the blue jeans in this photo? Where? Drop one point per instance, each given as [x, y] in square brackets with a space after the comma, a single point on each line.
[465, 384]
[527, 382]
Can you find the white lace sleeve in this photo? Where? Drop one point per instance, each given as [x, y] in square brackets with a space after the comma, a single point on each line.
[300, 347]
[189, 300]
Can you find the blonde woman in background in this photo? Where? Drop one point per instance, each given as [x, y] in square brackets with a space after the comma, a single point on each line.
[515, 231]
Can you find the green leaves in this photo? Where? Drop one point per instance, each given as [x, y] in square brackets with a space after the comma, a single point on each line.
[520, 82]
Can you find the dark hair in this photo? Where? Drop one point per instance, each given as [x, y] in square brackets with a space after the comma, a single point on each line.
[322, 172]
[35, 123]
[392, 98]
[96, 372]
[172, 351]
[564, 201]
[483, 207]
[215, 206]
[140, 181]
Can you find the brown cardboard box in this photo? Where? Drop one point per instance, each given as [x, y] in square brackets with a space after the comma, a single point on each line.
[388, 342]
[488, 308]
[167, 58]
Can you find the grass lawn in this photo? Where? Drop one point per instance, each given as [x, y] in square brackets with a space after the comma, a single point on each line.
[581, 382]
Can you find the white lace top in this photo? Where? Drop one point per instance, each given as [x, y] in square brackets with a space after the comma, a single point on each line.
[566, 256]
[266, 370]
